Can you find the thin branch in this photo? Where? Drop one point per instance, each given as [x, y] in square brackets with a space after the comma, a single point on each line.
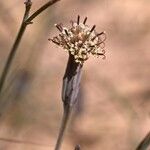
[145, 143]
[26, 20]
[15, 45]
[41, 9]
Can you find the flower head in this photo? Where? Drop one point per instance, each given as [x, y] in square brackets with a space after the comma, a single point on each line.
[80, 40]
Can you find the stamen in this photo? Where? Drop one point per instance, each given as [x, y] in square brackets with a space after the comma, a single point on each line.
[59, 27]
[104, 35]
[88, 35]
[78, 20]
[56, 38]
[66, 32]
[103, 51]
[85, 20]
[101, 44]
[93, 28]
[54, 41]
[64, 41]
[100, 53]
[100, 33]
[71, 23]
[91, 46]
[97, 35]
[80, 40]
[94, 38]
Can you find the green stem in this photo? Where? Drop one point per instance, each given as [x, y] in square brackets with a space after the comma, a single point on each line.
[65, 119]
[14, 47]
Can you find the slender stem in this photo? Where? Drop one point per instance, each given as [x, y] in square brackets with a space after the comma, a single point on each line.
[15, 46]
[64, 123]
[41, 9]
[70, 90]
[26, 20]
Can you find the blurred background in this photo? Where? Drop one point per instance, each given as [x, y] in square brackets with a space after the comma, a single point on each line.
[113, 111]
